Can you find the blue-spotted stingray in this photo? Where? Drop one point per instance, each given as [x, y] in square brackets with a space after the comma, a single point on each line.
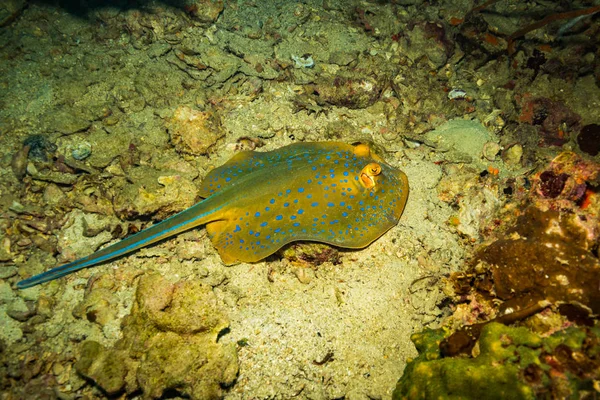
[335, 193]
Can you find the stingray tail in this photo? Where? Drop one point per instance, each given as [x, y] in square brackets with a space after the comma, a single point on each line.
[198, 214]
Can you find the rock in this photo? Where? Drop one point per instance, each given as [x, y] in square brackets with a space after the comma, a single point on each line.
[351, 92]
[169, 345]
[19, 162]
[194, 132]
[67, 122]
[11, 331]
[491, 150]
[154, 192]
[10, 10]
[511, 363]
[6, 293]
[512, 156]
[460, 140]
[206, 11]
[173, 307]
[81, 151]
[98, 306]
[107, 368]
[311, 254]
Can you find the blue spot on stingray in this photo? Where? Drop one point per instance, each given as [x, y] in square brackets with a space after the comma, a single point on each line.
[237, 228]
[277, 230]
[279, 217]
[257, 234]
[227, 179]
[286, 204]
[257, 214]
[264, 224]
[241, 240]
[314, 204]
[296, 224]
[309, 196]
[301, 190]
[330, 204]
[344, 214]
[293, 217]
[345, 173]
[272, 201]
[300, 211]
[267, 208]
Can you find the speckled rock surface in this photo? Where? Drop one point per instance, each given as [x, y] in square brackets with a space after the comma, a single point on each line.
[169, 344]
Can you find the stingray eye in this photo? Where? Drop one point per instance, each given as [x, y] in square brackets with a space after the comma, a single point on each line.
[368, 174]
[374, 169]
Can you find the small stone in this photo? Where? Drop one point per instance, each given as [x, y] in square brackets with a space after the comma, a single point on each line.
[491, 150]
[53, 194]
[67, 122]
[303, 275]
[19, 162]
[204, 10]
[7, 271]
[305, 61]
[81, 151]
[513, 155]
[6, 293]
[194, 132]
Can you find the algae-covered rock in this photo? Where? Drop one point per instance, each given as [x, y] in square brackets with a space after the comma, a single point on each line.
[311, 254]
[194, 132]
[154, 192]
[169, 345]
[106, 367]
[512, 363]
[462, 140]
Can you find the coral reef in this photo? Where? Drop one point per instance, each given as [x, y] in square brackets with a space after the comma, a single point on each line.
[569, 182]
[169, 345]
[510, 363]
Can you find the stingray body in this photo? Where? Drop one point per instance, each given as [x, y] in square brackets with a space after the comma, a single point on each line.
[257, 202]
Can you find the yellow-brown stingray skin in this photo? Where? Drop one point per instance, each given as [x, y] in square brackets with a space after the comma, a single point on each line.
[305, 191]
[257, 202]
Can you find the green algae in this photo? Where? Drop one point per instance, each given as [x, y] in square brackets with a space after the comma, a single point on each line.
[511, 363]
